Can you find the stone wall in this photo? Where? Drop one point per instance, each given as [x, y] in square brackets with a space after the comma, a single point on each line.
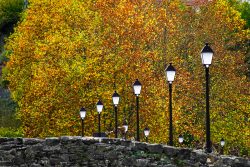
[100, 152]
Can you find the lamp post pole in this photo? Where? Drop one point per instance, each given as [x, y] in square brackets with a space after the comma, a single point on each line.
[170, 116]
[222, 143]
[208, 140]
[82, 128]
[116, 99]
[146, 133]
[170, 74]
[137, 89]
[116, 124]
[99, 124]
[82, 115]
[137, 119]
[99, 107]
[206, 57]
[222, 150]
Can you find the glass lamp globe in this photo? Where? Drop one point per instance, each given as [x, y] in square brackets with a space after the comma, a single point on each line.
[170, 73]
[206, 55]
[115, 98]
[82, 113]
[146, 131]
[99, 106]
[180, 139]
[222, 142]
[137, 87]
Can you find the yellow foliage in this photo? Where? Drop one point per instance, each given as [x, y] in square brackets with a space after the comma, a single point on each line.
[70, 53]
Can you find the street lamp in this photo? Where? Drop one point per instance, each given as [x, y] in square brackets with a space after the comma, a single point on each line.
[206, 57]
[146, 133]
[170, 74]
[82, 115]
[180, 139]
[137, 90]
[99, 107]
[125, 126]
[222, 143]
[116, 99]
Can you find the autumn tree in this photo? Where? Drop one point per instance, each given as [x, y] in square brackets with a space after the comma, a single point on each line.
[68, 54]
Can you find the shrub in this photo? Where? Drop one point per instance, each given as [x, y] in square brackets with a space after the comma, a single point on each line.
[9, 132]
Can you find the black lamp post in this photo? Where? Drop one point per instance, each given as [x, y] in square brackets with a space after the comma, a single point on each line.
[125, 126]
[222, 143]
[180, 139]
[82, 115]
[99, 107]
[146, 133]
[170, 74]
[206, 57]
[137, 90]
[116, 99]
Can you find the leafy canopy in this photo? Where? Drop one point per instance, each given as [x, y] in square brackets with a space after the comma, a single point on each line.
[70, 53]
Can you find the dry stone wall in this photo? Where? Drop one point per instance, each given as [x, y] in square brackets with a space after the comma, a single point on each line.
[104, 152]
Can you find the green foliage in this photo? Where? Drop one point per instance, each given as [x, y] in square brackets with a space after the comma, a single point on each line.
[3, 57]
[244, 9]
[9, 132]
[7, 111]
[188, 139]
[9, 13]
[245, 13]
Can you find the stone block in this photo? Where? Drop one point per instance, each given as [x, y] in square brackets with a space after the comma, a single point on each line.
[169, 165]
[199, 156]
[65, 139]
[112, 155]
[240, 162]
[77, 148]
[6, 163]
[52, 149]
[5, 140]
[44, 161]
[139, 146]
[128, 161]
[111, 141]
[36, 148]
[32, 141]
[19, 159]
[18, 140]
[126, 143]
[170, 151]
[35, 165]
[155, 148]
[6, 156]
[6, 147]
[89, 141]
[99, 157]
[52, 141]
[142, 162]
[184, 153]
[54, 161]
